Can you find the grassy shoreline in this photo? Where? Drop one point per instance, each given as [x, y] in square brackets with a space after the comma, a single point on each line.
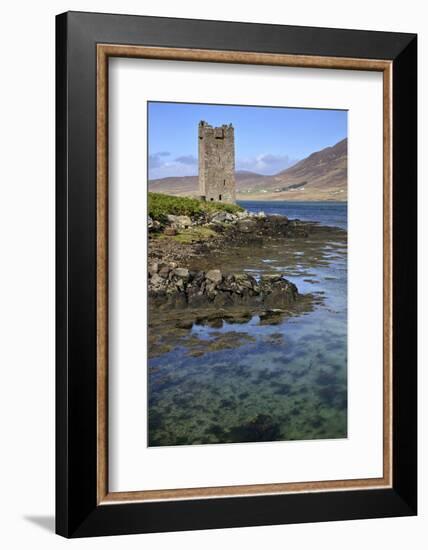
[161, 205]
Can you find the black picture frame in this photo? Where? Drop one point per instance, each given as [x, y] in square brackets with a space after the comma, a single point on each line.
[77, 511]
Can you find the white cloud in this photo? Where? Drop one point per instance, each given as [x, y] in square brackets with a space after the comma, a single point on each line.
[155, 160]
[161, 166]
[187, 159]
[267, 163]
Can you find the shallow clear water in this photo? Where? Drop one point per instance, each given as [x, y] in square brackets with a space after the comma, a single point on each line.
[262, 379]
[326, 212]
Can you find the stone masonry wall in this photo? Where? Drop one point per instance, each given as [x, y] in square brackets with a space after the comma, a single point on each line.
[216, 162]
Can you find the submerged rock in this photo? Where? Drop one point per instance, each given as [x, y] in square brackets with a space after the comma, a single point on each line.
[260, 428]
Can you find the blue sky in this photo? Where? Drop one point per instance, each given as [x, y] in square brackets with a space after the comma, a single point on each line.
[267, 139]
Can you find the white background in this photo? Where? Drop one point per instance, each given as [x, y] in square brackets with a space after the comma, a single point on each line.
[27, 275]
[132, 465]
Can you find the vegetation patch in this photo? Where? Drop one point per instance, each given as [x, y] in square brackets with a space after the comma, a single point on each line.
[190, 235]
[161, 205]
[194, 234]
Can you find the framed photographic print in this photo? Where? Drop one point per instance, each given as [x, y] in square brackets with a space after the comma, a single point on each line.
[236, 274]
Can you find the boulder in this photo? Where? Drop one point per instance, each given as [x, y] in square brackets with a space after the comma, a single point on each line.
[181, 273]
[179, 221]
[153, 225]
[244, 280]
[164, 272]
[270, 278]
[246, 226]
[180, 285]
[170, 231]
[277, 293]
[178, 288]
[223, 217]
[214, 275]
[218, 217]
[197, 277]
[153, 268]
[156, 281]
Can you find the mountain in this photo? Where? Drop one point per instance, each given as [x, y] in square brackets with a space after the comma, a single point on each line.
[320, 176]
[188, 185]
[183, 186]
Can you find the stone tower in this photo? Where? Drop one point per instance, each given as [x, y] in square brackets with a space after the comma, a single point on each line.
[216, 163]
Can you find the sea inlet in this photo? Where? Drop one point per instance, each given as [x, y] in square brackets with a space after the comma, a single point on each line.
[259, 377]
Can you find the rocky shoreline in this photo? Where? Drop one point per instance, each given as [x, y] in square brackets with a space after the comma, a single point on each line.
[182, 237]
[175, 244]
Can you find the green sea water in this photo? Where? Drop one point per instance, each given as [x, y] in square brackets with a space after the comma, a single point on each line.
[262, 379]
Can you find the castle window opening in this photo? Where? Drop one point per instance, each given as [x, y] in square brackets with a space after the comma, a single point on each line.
[219, 197]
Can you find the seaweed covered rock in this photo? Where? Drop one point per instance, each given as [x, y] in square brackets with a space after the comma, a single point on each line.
[174, 287]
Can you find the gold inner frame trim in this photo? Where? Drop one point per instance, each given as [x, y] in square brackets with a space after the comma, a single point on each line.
[104, 51]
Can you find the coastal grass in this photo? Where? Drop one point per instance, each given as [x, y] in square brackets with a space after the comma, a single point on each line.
[161, 205]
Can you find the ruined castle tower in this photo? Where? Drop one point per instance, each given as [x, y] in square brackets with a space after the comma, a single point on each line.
[216, 163]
